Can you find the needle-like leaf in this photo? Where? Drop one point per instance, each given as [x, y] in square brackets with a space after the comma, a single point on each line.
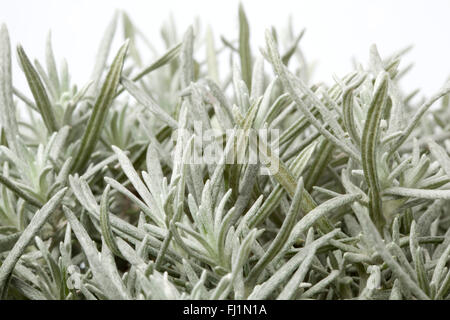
[38, 90]
[100, 110]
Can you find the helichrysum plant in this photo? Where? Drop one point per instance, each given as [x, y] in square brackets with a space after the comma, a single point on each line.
[139, 183]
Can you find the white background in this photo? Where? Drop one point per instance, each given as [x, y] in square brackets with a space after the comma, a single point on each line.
[336, 30]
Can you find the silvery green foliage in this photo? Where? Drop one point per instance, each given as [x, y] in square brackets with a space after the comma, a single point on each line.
[99, 198]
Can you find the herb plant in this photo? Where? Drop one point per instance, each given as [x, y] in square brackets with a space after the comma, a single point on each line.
[100, 198]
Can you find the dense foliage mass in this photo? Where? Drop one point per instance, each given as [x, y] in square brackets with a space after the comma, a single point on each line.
[99, 198]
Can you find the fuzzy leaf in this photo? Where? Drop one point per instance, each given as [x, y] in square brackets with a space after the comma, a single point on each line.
[100, 110]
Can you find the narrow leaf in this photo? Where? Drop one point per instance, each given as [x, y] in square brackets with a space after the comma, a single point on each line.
[38, 90]
[101, 107]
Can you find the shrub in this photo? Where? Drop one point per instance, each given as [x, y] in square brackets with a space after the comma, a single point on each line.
[102, 196]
